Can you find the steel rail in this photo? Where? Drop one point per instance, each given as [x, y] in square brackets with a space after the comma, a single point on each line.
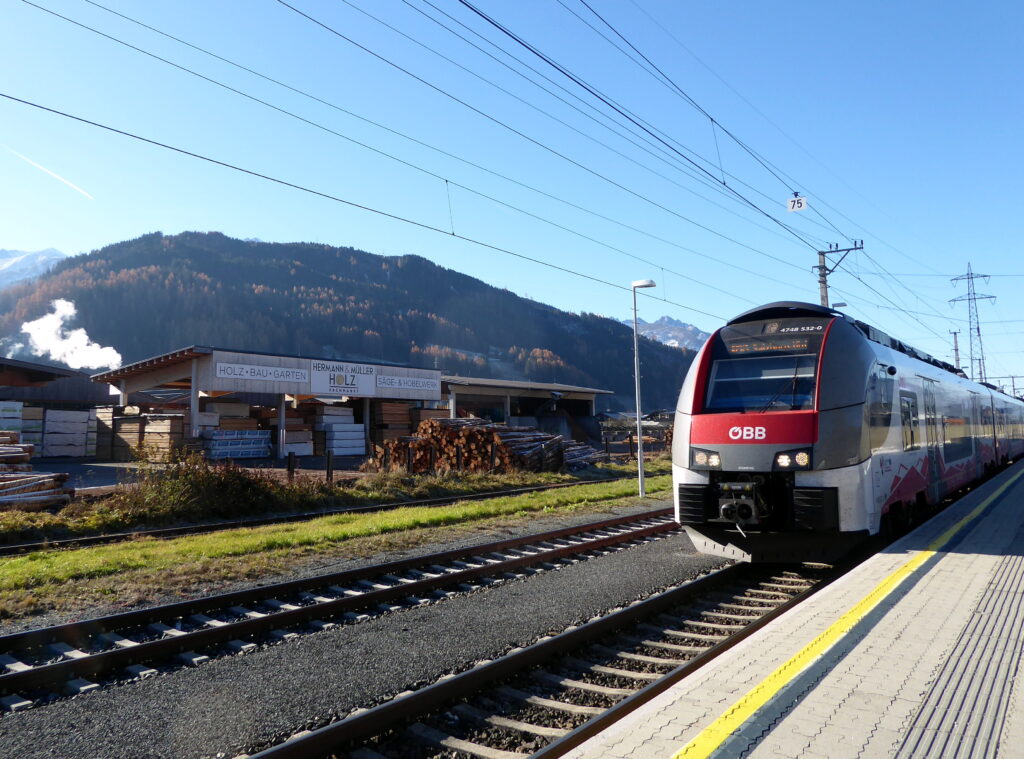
[384, 717]
[12, 549]
[47, 675]
[366, 724]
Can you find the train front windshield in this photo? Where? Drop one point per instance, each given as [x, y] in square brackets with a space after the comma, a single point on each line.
[765, 366]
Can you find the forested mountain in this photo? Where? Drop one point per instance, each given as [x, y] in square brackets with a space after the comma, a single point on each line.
[158, 293]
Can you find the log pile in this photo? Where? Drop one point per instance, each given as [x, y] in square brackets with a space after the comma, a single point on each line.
[475, 445]
[22, 489]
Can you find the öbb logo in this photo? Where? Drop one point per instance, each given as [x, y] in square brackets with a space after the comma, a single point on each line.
[747, 433]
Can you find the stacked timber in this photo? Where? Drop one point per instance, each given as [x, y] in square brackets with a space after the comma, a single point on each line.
[298, 434]
[20, 487]
[65, 433]
[128, 434]
[336, 432]
[474, 445]
[27, 491]
[32, 426]
[391, 421]
[10, 416]
[105, 431]
[162, 434]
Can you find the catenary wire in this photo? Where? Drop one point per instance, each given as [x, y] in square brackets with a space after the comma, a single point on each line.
[673, 164]
[441, 151]
[625, 114]
[415, 166]
[712, 183]
[350, 203]
[533, 141]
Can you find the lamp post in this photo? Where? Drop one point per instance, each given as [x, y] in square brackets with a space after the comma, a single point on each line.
[636, 373]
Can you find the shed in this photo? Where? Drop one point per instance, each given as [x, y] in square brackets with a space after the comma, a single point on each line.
[212, 372]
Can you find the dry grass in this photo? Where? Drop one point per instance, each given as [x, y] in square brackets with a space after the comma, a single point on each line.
[193, 490]
[142, 570]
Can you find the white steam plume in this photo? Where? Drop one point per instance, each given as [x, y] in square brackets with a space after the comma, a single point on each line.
[47, 335]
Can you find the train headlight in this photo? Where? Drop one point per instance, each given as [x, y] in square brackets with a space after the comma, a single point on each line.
[702, 459]
[793, 460]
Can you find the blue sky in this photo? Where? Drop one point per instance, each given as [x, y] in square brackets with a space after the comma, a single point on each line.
[900, 122]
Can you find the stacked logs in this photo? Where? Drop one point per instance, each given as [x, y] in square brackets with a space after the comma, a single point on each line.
[475, 445]
[20, 488]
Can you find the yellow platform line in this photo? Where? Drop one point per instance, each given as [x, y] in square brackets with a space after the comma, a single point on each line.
[715, 734]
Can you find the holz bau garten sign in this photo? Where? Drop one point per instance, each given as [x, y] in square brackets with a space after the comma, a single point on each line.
[242, 371]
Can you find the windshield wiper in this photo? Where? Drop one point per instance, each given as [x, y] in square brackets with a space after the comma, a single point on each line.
[792, 383]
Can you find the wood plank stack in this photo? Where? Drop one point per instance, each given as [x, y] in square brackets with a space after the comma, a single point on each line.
[391, 421]
[298, 434]
[105, 431]
[22, 489]
[162, 434]
[475, 445]
[337, 432]
[128, 432]
[65, 433]
[26, 491]
[32, 426]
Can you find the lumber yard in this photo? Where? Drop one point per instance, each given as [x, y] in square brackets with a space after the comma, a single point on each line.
[239, 405]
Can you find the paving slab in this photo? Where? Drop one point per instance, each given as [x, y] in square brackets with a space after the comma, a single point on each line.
[921, 654]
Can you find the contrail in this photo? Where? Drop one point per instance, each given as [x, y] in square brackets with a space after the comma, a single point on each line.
[29, 161]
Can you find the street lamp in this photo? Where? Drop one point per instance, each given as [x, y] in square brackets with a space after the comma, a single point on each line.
[636, 373]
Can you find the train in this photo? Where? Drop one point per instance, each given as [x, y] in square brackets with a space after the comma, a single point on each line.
[801, 431]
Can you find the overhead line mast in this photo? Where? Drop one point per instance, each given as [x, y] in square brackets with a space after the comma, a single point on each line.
[824, 270]
[977, 351]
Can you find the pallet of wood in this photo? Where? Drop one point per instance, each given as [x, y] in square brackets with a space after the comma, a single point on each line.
[475, 445]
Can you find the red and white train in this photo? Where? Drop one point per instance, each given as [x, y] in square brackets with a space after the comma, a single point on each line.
[800, 431]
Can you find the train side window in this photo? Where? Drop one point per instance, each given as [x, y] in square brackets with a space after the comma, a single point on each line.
[958, 443]
[879, 406]
[908, 418]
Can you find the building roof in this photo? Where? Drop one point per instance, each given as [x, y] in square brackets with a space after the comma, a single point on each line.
[520, 385]
[182, 355]
[149, 364]
[31, 374]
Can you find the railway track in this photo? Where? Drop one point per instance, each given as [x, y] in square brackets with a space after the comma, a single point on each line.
[173, 532]
[545, 699]
[39, 666]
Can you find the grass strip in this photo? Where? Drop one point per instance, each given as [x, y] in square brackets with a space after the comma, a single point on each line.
[192, 490]
[34, 571]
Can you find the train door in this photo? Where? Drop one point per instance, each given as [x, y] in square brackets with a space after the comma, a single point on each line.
[932, 441]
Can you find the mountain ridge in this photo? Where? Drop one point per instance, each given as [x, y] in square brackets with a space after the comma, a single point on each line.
[18, 265]
[157, 293]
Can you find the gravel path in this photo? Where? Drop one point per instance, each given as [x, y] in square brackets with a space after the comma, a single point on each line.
[235, 704]
[326, 562]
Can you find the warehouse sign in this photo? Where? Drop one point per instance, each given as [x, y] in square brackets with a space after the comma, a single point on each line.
[425, 384]
[261, 373]
[342, 378]
[237, 371]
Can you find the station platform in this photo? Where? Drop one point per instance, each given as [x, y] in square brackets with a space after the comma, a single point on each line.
[914, 653]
